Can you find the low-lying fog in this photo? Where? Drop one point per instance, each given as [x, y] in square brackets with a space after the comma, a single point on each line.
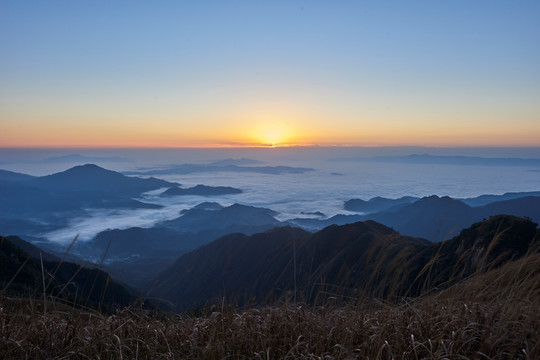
[338, 175]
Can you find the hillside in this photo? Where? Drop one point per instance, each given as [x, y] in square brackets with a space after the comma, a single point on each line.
[21, 276]
[235, 264]
[358, 260]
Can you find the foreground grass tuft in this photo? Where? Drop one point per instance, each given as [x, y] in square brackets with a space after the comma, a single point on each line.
[492, 315]
[425, 329]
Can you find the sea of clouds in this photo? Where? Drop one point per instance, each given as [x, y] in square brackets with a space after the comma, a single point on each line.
[292, 195]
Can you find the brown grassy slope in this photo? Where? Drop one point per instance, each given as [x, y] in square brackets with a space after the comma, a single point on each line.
[493, 315]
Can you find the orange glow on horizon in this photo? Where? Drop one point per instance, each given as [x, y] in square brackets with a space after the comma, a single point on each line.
[247, 132]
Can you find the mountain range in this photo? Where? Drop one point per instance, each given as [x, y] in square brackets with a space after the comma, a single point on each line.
[448, 160]
[35, 205]
[434, 218]
[359, 260]
[349, 263]
[227, 166]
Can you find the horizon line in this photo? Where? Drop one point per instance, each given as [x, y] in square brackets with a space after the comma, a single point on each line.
[267, 146]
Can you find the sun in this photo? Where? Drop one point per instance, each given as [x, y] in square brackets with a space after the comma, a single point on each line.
[273, 138]
[271, 135]
[271, 129]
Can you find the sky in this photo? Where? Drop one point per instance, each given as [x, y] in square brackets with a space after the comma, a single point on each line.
[269, 73]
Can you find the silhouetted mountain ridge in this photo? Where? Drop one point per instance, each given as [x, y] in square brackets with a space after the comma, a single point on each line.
[377, 204]
[434, 218]
[364, 258]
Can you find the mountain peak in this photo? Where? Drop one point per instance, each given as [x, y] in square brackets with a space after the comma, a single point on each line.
[495, 238]
[91, 177]
[363, 257]
[90, 168]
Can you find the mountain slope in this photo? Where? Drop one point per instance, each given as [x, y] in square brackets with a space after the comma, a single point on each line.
[261, 268]
[137, 254]
[6, 175]
[377, 204]
[355, 260]
[196, 220]
[232, 265]
[487, 199]
[434, 218]
[21, 276]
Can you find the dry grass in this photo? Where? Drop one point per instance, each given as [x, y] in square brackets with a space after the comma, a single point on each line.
[491, 316]
[424, 330]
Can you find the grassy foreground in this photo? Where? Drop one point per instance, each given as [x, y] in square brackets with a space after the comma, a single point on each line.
[495, 315]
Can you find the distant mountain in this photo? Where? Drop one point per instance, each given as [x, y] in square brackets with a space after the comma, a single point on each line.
[448, 160]
[13, 176]
[202, 190]
[315, 224]
[377, 204]
[33, 205]
[135, 242]
[25, 199]
[199, 168]
[135, 255]
[438, 219]
[486, 199]
[434, 218]
[94, 178]
[235, 215]
[528, 206]
[339, 262]
[207, 205]
[21, 275]
[195, 227]
[232, 265]
[152, 247]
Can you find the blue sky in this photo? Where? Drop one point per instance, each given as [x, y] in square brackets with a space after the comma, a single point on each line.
[398, 73]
